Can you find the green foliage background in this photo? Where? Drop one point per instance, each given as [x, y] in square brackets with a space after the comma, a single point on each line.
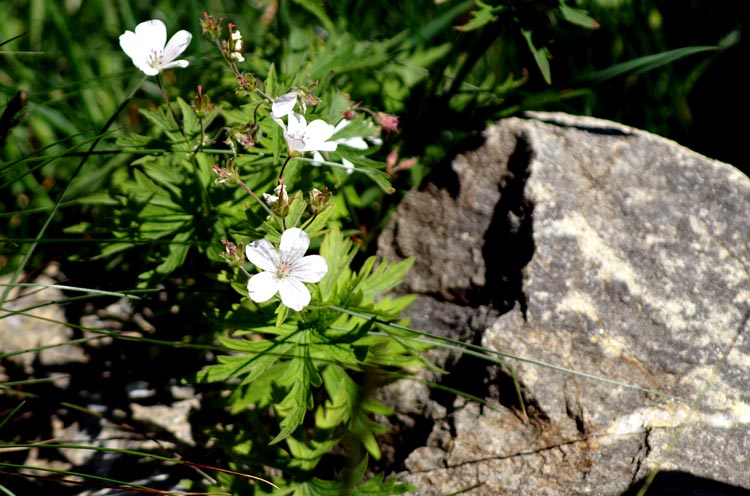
[446, 69]
[404, 58]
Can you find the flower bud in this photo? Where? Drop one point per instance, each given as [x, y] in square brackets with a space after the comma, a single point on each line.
[232, 253]
[226, 175]
[279, 201]
[319, 199]
[387, 121]
[202, 104]
[211, 26]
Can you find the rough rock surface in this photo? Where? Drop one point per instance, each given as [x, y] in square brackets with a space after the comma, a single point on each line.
[32, 320]
[603, 250]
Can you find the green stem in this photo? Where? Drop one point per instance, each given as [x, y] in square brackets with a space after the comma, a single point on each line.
[281, 173]
[169, 105]
[257, 198]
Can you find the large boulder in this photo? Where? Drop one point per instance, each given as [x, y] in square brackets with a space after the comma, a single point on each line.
[610, 270]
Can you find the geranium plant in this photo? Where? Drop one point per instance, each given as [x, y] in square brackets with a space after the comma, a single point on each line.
[253, 168]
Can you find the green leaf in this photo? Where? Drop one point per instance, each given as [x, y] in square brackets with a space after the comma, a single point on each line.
[577, 16]
[385, 278]
[133, 141]
[341, 391]
[541, 56]
[644, 64]
[230, 367]
[164, 121]
[480, 17]
[282, 311]
[146, 185]
[319, 222]
[176, 255]
[166, 176]
[338, 252]
[370, 168]
[439, 24]
[316, 8]
[270, 85]
[302, 375]
[190, 122]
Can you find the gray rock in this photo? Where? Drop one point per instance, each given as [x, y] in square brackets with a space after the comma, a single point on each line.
[33, 318]
[173, 418]
[621, 261]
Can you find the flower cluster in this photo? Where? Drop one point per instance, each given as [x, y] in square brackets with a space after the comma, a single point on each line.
[287, 270]
[234, 47]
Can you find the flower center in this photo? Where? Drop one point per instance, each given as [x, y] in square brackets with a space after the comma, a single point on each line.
[284, 269]
[154, 58]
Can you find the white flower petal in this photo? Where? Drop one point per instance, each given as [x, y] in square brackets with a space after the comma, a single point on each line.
[316, 134]
[153, 32]
[355, 142]
[293, 293]
[297, 124]
[261, 287]
[295, 134]
[283, 126]
[318, 158]
[341, 125]
[323, 146]
[148, 70]
[132, 45]
[284, 105]
[177, 44]
[319, 130]
[348, 166]
[294, 144]
[311, 268]
[176, 63]
[262, 254]
[294, 243]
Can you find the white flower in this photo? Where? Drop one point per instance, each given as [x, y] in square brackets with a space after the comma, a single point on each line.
[146, 47]
[285, 271]
[303, 137]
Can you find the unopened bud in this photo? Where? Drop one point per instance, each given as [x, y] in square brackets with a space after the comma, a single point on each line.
[351, 112]
[319, 199]
[246, 84]
[387, 121]
[211, 26]
[279, 201]
[232, 253]
[202, 103]
[226, 175]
